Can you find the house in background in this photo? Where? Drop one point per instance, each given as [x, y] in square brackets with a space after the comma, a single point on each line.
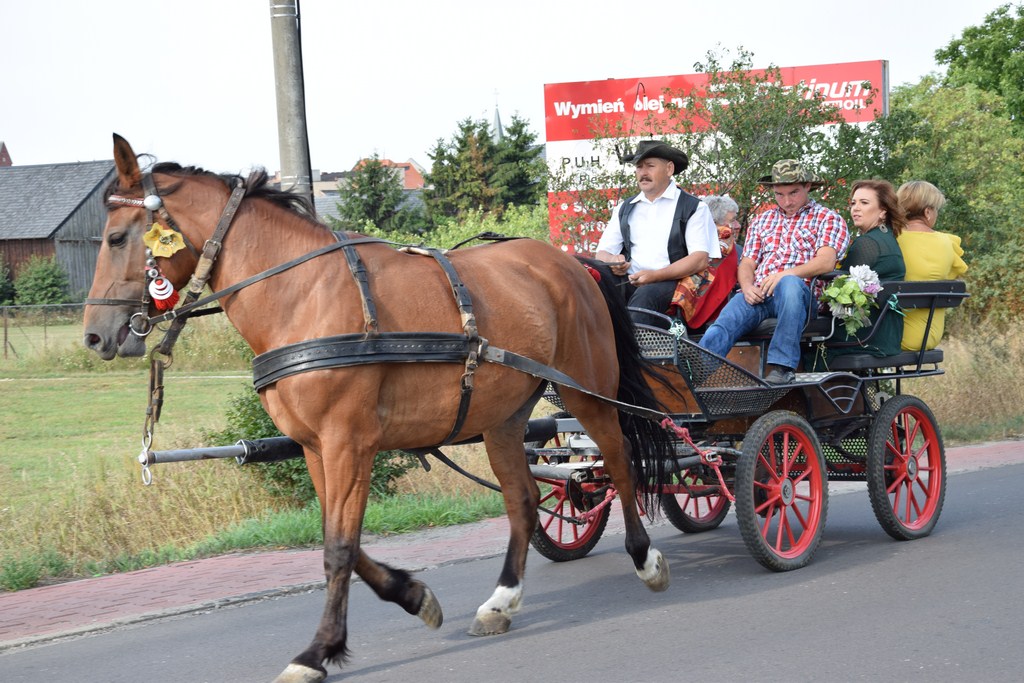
[56, 210]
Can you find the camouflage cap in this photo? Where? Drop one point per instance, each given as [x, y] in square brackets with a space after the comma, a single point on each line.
[790, 172]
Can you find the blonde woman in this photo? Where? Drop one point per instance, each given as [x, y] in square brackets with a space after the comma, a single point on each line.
[928, 254]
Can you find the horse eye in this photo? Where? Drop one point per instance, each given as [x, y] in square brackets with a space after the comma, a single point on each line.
[116, 240]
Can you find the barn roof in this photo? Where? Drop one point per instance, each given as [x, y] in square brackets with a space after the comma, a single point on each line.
[36, 200]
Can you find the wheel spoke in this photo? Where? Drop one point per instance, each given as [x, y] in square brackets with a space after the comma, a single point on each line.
[898, 479]
[800, 516]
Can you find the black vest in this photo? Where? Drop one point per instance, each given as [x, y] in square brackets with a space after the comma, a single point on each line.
[686, 206]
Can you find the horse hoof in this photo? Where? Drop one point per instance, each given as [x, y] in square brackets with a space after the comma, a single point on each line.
[297, 673]
[655, 574]
[491, 624]
[430, 610]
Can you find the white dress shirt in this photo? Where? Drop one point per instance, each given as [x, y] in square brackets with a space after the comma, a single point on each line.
[650, 224]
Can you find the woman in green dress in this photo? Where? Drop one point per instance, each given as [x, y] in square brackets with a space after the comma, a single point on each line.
[879, 219]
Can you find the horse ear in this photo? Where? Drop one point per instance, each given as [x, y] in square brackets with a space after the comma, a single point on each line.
[128, 171]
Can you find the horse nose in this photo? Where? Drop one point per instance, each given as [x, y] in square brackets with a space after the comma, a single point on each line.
[92, 341]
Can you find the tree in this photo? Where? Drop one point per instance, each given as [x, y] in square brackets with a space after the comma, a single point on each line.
[958, 139]
[41, 281]
[460, 176]
[742, 121]
[991, 56]
[519, 170]
[374, 194]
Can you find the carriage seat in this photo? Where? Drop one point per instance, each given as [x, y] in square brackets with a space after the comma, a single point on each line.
[928, 294]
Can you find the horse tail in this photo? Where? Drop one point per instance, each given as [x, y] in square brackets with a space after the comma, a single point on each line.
[651, 446]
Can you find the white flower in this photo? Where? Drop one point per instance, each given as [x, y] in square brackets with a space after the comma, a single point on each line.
[866, 278]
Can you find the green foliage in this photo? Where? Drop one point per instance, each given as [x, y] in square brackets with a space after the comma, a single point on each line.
[41, 281]
[519, 171]
[458, 181]
[373, 193]
[743, 121]
[959, 139]
[473, 172]
[515, 221]
[6, 285]
[247, 419]
[990, 56]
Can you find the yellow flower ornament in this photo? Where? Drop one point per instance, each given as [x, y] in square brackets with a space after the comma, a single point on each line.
[163, 241]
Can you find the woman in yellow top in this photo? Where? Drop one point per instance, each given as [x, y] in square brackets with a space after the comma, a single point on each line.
[928, 254]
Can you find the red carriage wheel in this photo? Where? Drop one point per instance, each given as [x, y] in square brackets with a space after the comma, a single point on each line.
[570, 525]
[781, 491]
[906, 468]
[696, 504]
[574, 528]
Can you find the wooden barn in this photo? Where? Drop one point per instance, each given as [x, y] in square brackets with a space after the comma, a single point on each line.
[54, 210]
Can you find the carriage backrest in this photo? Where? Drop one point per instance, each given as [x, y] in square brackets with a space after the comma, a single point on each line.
[925, 293]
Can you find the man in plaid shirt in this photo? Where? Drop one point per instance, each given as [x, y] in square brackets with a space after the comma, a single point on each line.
[785, 247]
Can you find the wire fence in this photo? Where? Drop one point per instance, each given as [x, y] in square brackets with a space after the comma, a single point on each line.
[29, 331]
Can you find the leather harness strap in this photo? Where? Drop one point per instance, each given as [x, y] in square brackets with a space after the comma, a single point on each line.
[204, 267]
[358, 271]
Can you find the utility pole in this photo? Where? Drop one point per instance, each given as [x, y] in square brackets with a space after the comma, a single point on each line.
[293, 140]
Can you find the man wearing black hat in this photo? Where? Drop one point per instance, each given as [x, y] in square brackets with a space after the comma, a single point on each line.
[660, 235]
[785, 247]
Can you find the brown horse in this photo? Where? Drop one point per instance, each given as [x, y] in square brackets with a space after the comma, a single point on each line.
[527, 297]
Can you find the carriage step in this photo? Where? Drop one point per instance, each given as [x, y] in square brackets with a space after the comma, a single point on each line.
[563, 471]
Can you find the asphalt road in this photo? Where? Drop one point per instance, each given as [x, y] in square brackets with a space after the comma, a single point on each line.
[944, 608]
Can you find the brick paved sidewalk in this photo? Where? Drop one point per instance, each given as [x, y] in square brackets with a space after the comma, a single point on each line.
[85, 605]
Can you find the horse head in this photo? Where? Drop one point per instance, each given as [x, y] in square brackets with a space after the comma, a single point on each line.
[144, 258]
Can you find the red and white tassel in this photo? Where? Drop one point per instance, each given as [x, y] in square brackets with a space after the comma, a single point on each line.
[164, 296]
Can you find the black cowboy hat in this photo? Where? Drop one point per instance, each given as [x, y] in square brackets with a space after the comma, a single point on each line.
[646, 149]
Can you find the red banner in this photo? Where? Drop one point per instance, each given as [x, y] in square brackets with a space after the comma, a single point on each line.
[571, 110]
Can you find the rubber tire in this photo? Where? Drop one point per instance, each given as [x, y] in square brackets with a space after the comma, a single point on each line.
[906, 482]
[693, 515]
[766, 505]
[562, 541]
[557, 539]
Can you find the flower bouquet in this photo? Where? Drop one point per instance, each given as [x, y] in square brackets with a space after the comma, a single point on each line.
[850, 298]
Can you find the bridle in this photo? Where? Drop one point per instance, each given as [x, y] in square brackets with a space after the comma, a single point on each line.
[140, 323]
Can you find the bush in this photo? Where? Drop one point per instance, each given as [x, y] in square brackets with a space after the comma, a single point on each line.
[6, 286]
[41, 281]
[247, 419]
[515, 221]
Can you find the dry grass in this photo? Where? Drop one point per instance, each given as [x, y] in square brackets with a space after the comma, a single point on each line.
[105, 515]
[442, 480]
[981, 395]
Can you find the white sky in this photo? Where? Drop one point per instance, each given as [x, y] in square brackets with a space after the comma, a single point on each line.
[192, 80]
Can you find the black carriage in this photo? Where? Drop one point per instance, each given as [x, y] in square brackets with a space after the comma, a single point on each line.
[769, 449]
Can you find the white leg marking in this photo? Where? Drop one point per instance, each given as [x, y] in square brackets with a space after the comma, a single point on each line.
[652, 567]
[503, 601]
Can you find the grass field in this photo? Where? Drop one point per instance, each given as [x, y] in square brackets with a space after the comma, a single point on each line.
[53, 426]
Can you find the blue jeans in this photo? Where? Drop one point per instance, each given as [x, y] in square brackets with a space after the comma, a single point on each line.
[788, 303]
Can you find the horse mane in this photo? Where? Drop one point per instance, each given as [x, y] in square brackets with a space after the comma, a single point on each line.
[257, 186]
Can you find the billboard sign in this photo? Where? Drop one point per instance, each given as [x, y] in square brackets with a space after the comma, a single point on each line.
[574, 113]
